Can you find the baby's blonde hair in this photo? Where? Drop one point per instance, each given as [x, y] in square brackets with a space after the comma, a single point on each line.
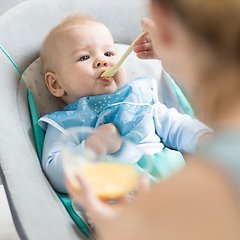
[48, 48]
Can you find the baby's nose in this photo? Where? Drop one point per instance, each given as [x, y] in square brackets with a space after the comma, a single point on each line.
[101, 63]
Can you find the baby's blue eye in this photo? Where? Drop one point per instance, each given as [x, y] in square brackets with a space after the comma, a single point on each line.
[83, 58]
[108, 54]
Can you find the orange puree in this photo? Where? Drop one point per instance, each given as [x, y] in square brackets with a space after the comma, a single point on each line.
[111, 180]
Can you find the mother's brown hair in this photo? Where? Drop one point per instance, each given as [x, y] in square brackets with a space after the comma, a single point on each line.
[217, 23]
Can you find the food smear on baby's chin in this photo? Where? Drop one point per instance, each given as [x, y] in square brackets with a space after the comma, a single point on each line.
[105, 80]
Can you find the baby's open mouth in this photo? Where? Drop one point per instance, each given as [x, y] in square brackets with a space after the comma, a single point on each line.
[105, 80]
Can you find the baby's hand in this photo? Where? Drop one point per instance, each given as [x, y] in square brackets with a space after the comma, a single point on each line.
[145, 46]
[103, 144]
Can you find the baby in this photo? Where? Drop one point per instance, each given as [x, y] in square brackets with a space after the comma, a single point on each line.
[74, 55]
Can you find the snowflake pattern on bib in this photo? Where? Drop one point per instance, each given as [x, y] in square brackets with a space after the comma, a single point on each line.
[130, 109]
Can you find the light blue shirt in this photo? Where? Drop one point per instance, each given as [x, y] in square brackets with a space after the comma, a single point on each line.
[137, 114]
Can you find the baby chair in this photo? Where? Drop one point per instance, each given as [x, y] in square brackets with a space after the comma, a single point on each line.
[38, 211]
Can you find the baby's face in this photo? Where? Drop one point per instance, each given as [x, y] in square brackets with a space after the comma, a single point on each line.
[84, 53]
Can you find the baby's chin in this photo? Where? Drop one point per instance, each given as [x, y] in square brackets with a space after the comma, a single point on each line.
[108, 89]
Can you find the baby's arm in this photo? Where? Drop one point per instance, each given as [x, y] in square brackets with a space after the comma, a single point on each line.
[52, 156]
[179, 131]
[51, 159]
[103, 143]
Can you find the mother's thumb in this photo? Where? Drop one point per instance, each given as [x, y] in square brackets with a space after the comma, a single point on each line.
[87, 195]
[148, 25]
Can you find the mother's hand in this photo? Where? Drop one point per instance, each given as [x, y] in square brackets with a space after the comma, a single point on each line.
[101, 212]
[145, 47]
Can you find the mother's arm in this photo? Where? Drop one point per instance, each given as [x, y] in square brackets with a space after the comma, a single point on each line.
[198, 202]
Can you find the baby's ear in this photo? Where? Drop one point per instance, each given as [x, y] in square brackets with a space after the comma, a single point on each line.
[53, 85]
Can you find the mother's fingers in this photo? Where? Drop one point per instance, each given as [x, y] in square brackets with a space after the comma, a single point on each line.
[147, 55]
[83, 193]
[143, 47]
[96, 208]
[148, 25]
[70, 187]
[145, 39]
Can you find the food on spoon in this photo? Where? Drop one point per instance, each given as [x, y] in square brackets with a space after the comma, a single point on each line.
[111, 180]
[105, 80]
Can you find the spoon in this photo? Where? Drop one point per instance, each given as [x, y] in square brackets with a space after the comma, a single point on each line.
[110, 72]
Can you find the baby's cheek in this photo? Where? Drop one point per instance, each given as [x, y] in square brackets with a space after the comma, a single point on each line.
[121, 76]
